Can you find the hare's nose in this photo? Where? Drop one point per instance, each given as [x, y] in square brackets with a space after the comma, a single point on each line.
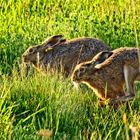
[23, 56]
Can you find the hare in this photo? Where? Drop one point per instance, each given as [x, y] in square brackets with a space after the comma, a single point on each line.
[58, 54]
[107, 73]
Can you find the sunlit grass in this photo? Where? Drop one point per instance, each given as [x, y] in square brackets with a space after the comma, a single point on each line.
[40, 106]
[50, 103]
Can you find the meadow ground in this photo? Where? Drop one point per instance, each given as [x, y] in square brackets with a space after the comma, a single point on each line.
[46, 107]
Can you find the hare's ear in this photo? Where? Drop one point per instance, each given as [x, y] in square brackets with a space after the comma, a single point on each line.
[62, 40]
[50, 42]
[102, 56]
[53, 40]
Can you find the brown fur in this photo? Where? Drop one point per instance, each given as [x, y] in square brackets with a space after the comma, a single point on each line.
[61, 55]
[106, 78]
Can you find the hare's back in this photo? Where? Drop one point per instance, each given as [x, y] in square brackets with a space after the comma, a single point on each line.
[120, 57]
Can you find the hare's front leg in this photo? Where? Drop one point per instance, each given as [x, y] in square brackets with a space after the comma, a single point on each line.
[120, 100]
[129, 77]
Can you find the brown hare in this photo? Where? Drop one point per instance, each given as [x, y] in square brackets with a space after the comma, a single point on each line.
[107, 73]
[57, 54]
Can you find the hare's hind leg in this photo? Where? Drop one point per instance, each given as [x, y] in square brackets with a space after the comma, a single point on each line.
[129, 80]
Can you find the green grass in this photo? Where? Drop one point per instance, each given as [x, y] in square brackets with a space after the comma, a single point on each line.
[30, 104]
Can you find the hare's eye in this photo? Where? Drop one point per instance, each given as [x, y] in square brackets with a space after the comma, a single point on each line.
[31, 50]
[88, 65]
[82, 70]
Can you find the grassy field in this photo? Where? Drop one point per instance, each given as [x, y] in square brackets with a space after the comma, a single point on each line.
[46, 107]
